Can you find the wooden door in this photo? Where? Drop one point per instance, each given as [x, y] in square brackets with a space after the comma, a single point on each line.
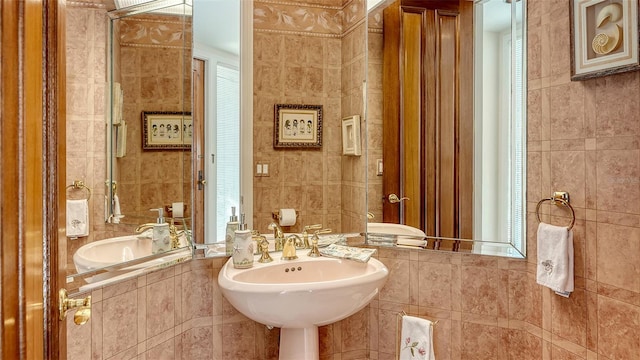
[197, 148]
[427, 112]
[32, 148]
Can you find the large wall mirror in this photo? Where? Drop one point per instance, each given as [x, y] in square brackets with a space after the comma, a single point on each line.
[177, 108]
[140, 62]
[446, 121]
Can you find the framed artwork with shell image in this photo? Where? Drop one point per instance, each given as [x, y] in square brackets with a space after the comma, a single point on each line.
[604, 38]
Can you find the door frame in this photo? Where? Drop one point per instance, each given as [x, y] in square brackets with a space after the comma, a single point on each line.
[32, 145]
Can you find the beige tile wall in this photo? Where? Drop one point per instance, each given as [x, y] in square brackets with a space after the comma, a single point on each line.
[488, 308]
[86, 30]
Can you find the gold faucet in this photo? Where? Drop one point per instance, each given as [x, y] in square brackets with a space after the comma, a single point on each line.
[174, 234]
[315, 252]
[278, 235]
[305, 234]
[289, 249]
[263, 245]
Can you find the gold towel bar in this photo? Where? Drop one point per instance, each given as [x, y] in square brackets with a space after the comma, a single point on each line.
[403, 313]
[561, 197]
[79, 185]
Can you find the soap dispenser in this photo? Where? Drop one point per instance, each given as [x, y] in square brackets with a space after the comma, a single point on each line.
[232, 226]
[161, 239]
[242, 246]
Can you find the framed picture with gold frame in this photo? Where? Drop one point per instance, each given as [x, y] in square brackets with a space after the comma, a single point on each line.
[297, 126]
[604, 37]
[165, 130]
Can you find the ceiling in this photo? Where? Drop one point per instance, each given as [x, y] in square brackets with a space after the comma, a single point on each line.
[216, 23]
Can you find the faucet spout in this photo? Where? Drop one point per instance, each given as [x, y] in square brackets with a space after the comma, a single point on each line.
[289, 250]
[174, 233]
[144, 227]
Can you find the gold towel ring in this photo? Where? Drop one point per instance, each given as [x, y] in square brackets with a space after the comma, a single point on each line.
[78, 185]
[562, 198]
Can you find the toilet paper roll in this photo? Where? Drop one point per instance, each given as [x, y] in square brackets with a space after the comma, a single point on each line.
[287, 217]
[177, 209]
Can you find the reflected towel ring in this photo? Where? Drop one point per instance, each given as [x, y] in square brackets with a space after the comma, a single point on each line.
[78, 185]
[563, 202]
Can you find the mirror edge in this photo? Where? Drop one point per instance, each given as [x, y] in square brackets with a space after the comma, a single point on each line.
[246, 110]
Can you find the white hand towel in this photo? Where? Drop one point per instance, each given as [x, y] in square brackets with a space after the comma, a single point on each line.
[77, 218]
[416, 339]
[555, 258]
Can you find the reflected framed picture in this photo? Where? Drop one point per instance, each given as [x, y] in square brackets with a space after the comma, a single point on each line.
[351, 144]
[297, 126]
[165, 130]
[604, 38]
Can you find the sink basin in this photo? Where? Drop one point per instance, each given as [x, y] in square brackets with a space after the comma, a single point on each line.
[101, 253]
[300, 295]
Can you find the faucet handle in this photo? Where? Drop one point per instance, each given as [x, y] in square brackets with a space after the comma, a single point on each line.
[305, 233]
[315, 252]
[312, 227]
[263, 244]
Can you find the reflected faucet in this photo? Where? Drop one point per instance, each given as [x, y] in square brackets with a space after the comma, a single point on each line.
[173, 232]
[278, 236]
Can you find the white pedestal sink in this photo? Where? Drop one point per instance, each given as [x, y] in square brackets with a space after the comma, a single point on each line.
[300, 295]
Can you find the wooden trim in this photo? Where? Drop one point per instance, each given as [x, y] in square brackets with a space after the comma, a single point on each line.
[54, 157]
[197, 148]
[29, 181]
[11, 93]
[465, 199]
[32, 154]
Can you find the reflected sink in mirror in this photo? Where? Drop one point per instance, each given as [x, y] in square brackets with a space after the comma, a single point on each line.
[300, 295]
[104, 253]
[391, 234]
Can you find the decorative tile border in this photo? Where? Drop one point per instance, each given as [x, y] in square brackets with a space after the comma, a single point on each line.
[307, 19]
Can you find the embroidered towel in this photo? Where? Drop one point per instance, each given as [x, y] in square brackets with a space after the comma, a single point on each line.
[77, 218]
[555, 258]
[416, 339]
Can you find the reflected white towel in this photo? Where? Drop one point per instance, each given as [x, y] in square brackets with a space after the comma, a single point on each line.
[121, 140]
[117, 214]
[77, 218]
[410, 242]
[555, 258]
[416, 339]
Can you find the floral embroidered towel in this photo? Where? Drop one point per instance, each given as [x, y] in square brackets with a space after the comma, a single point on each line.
[348, 252]
[77, 218]
[555, 258]
[416, 339]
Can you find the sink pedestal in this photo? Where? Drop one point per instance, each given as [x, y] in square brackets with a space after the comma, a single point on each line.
[299, 344]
